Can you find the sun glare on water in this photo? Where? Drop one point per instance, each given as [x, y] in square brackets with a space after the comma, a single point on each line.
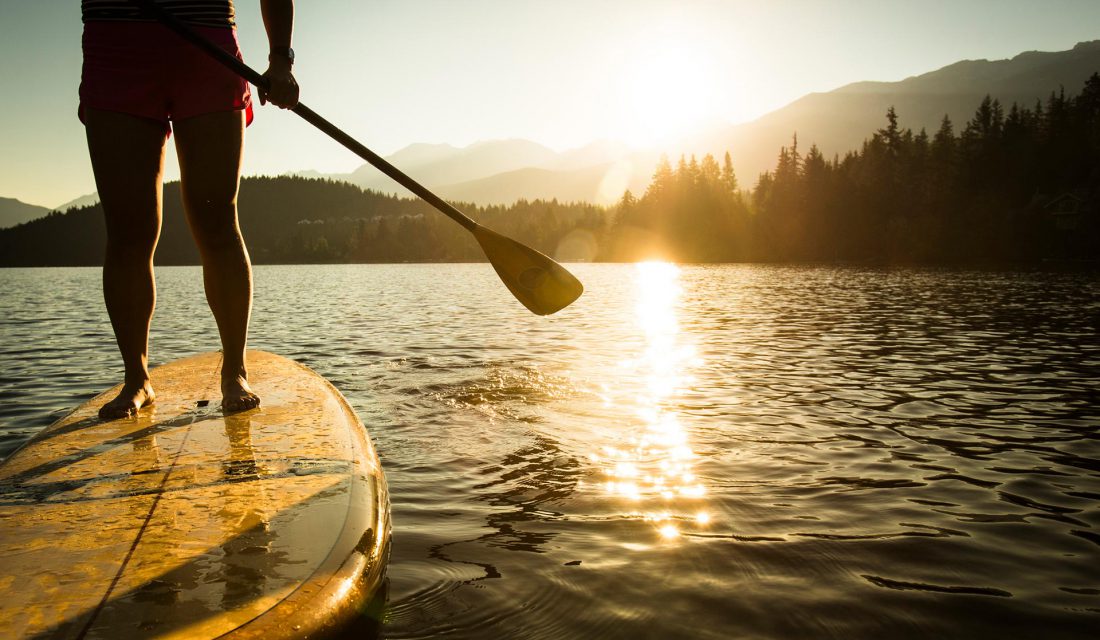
[652, 468]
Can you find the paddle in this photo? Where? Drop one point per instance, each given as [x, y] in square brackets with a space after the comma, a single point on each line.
[536, 280]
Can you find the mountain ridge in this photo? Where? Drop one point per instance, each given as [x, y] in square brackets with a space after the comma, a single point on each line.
[834, 120]
[14, 212]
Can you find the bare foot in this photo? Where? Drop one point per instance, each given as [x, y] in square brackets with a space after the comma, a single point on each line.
[237, 395]
[128, 401]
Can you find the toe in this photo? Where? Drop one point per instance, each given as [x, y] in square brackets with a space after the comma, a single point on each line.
[116, 410]
[126, 404]
[241, 403]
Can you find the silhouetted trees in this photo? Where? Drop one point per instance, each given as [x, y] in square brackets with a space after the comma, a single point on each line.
[1011, 187]
[692, 213]
[291, 220]
[1017, 186]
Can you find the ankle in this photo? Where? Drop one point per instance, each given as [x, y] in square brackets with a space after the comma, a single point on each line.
[137, 380]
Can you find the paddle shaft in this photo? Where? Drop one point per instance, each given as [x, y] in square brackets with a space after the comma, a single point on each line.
[380, 163]
[310, 116]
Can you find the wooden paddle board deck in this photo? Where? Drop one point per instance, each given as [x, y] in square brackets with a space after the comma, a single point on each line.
[183, 522]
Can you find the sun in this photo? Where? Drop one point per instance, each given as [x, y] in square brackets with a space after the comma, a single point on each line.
[667, 91]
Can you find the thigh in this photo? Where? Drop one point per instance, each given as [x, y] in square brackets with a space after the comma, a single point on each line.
[127, 154]
[209, 148]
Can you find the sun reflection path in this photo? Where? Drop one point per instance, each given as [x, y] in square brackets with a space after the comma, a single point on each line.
[654, 466]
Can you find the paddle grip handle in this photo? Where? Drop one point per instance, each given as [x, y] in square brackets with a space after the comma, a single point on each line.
[309, 115]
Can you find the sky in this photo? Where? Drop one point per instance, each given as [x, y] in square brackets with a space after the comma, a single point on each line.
[562, 73]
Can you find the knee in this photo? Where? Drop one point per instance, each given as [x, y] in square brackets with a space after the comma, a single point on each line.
[132, 241]
[217, 234]
[213, 221]
[222, 237]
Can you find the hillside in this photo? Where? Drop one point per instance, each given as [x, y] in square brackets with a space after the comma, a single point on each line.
[13, 212]
[837, 120]
[502, 171]
[435, 165]
[602, 184]
[298, 220]
[82, 201]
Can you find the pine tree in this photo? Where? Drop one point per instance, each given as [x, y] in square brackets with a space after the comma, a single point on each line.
[709, 172]
[662, 180]
[729, 178]
[943, 143]
[890, 135]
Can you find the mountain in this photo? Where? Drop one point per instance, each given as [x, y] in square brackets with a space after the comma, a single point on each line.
[433, 165]
[577, 185]
[600, 183]
[502, 171]
[596, 153]
[420, 154]
[1024, 77]
[837, 120]
[82, 201]
[13, 212]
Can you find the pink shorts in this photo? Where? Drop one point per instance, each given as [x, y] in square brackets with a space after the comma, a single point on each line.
[144, 69]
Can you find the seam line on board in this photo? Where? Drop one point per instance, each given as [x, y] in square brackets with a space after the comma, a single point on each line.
[137, 539]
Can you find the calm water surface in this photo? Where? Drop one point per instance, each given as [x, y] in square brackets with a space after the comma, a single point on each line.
[697, 452]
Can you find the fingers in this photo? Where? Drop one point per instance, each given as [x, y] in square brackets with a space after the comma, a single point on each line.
[282, 90]
[282, 94]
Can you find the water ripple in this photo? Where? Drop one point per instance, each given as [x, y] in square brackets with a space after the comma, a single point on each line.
[705, 452]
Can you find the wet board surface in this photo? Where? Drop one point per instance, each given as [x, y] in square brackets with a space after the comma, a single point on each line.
[183, 522]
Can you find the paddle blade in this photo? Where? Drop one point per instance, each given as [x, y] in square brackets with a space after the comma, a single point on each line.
[542, 285]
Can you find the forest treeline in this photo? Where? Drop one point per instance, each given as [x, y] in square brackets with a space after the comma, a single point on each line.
[1010, 185]
[293, 220]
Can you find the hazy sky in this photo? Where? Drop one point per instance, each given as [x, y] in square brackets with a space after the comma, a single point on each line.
[559, 72]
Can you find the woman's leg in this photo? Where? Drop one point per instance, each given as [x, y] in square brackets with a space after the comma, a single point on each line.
[209, 149]
[127, 154]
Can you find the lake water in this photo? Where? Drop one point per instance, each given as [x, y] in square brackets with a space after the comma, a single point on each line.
[692, 452]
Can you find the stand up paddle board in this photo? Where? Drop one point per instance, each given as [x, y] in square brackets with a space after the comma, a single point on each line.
[184, 522]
